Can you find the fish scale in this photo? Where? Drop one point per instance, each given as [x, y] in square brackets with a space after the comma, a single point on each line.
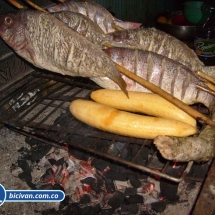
[161, 71]
[157, 41]
[96, 13]
[54, 46]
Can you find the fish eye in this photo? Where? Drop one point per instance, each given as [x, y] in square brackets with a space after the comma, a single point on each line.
[8, 20]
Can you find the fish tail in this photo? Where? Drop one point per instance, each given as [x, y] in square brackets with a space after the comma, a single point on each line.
[121, 83]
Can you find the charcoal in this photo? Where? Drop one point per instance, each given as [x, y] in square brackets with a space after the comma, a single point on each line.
[100, 164]
[191, 185]
[142, 175]
[52, 161]
[65, 202]
[96, 209]
[158, 206]
[107, 211]
[116, 200]
[169, 188]
[60, 162]
[116, 175]
[49, 174]
[88, 180]
[58, 187]
[133, 199]
[100, 179]
[198, 170]
[96, 187]
[23, 164]
[93, 183]
[130, 191]
[129, 209]
[85, 199]
[109, 185]
[30, 141]
[78, 154]
[87, 142]
[38, 149]
[86, 210]
[23, 150]
[117, 167]
[73, 209]
[26, 176]
[142, 158]
[134, 182]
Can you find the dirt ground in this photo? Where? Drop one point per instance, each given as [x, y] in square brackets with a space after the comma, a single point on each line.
[11, 142]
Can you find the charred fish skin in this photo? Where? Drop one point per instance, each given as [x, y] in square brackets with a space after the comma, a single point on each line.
[96, 13]
[83, 25]
[163, 72]
[47, 43]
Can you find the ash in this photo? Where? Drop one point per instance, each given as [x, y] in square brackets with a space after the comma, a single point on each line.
[90, 184]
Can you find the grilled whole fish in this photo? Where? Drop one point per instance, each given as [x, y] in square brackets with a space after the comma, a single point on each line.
[169, 75]
[157, 41]
[149, 39]
[83, 25]
[47, 43]
[96, 13]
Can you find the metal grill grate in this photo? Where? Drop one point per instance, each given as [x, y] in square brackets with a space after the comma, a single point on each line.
[38, 105]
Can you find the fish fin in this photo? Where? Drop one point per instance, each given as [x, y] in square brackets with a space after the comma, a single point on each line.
[116, 27]
[122, 84]
[126, 25]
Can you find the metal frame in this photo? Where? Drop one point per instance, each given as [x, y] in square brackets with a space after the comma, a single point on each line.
[24, 103]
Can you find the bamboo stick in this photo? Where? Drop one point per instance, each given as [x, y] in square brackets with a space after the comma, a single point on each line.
[189, 110]
[16, 4]
[35, 6]
[210, 85]
[212, 92]
[206, 77]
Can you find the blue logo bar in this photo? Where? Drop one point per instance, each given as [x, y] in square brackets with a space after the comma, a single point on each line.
[30, 195]
[2, 195]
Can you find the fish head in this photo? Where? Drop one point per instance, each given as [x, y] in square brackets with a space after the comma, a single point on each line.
[12, 29]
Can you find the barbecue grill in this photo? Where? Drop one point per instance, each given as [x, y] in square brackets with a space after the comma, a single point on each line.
[35, 103]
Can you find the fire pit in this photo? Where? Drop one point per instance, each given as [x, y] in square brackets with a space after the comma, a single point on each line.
[99, 172]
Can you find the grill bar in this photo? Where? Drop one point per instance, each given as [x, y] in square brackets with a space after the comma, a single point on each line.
[116, 159]
[39, 109]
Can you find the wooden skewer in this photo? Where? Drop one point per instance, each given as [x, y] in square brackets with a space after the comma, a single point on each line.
[206, 77]
[19, 6]
[189, 110]
[35, 6]
[118, 28]
[16, 4]
[211, 86]
[212, 92]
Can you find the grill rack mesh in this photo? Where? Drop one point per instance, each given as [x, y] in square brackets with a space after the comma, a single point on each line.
[38, 107]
